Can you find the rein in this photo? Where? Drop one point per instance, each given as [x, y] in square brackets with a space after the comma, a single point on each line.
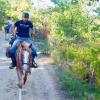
[25, 63]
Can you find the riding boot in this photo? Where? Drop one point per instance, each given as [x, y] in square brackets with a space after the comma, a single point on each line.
[34, 65]
[13, 64]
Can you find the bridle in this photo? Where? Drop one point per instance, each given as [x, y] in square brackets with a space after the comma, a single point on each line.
[23, 63]
[20, 58]
[28, 64]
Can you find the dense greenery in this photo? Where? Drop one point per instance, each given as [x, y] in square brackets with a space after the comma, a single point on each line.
[73, 36]
[3, 10]
[74, 40]
[15, 8]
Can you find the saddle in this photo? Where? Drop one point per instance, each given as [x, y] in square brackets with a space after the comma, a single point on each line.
[8, 54]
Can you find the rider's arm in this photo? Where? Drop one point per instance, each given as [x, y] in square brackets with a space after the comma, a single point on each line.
[32, 32]
[13, 29]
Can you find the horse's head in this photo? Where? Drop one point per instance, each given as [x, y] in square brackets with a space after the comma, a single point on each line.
[25, 55]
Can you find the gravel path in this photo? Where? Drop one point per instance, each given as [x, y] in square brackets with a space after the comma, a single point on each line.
[42, 84]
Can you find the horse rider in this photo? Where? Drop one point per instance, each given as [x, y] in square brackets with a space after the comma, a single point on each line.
[23, 29]
[9, 23]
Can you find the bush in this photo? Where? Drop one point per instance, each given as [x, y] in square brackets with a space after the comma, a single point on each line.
[75, 87]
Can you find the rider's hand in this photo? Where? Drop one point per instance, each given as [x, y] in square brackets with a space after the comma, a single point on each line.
[32, 36]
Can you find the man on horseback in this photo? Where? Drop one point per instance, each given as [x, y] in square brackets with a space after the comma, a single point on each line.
[23, 28]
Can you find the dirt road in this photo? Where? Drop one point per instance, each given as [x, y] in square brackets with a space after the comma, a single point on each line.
[42, 84]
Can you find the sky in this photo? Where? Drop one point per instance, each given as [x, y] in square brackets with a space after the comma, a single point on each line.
[91, 9]
[42, 4]
[47, 3]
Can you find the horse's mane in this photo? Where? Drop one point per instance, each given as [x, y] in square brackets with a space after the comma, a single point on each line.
[24, 46]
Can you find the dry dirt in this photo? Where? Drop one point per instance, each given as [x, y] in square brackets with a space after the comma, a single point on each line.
[42, 84]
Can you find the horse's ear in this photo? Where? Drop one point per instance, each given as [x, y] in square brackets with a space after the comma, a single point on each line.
[30, 46]
[22, 45]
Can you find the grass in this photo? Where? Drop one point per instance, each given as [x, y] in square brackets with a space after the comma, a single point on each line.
[75, 87]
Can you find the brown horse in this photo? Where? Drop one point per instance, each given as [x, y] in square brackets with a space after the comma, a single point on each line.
[23, 64]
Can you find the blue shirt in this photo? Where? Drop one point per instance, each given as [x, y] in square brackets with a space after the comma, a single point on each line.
[23, 28]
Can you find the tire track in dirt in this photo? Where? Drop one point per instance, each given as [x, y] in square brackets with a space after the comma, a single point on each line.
[42, 84]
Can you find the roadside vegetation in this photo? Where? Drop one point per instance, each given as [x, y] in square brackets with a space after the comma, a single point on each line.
[71, 35]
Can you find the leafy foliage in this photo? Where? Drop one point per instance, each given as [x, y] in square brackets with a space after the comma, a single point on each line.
[73, 37]
[3, 10]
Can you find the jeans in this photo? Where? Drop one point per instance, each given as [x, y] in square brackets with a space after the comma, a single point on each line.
[19, 39]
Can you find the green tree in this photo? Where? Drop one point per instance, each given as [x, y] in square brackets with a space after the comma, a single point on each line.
[74, 39]
[3, 9]
[17, 7]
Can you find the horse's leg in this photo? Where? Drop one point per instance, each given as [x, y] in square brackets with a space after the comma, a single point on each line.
[20, 83]
[25, 77]
[10, 32]
[5, 34]
[20, 94]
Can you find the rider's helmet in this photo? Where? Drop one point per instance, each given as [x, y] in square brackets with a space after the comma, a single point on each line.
[25, 15]
[9, 17]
